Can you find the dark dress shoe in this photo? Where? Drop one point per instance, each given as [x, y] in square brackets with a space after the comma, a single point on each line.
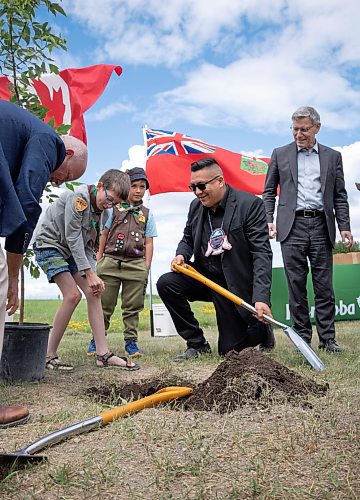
[192, 352]
[268, 343]
[330, 346]
[13, 415]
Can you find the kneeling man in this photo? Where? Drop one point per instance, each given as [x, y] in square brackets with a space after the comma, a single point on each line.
[226, 232]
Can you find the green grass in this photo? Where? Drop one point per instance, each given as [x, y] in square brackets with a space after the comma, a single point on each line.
[43, 311]
[278, 452]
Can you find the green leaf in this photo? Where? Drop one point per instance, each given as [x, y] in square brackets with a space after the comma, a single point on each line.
[69, 186]
[54, 69]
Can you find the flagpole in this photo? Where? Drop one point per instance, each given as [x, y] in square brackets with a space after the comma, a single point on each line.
[152, 330]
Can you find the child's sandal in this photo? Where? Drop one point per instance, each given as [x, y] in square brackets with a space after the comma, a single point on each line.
[54, 363]
[105, 362]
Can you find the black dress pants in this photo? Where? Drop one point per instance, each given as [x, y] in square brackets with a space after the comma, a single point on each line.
[237, 330]
[309, 240]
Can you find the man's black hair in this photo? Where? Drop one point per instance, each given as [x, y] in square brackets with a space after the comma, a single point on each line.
[203, 163]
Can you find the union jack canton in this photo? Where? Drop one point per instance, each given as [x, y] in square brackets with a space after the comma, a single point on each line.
[164, 142]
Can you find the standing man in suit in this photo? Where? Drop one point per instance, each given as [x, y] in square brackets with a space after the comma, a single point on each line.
[31, 154]
[226, 231]
[312, 196]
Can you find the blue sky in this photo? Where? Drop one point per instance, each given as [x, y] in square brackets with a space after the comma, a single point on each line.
[228, 72]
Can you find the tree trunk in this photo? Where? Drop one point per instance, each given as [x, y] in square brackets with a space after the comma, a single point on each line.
[22, 295]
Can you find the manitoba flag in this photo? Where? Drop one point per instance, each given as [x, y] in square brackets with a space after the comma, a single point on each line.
[69, 94]
[169, 155]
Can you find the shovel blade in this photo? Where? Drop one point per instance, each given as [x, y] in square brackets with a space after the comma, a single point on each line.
[305, 349]
[11, 462]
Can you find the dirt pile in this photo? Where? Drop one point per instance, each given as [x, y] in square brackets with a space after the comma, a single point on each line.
[115, 395]
[250, 377]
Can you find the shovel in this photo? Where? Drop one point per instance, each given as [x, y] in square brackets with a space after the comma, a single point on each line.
[295, 338]
[10, 462]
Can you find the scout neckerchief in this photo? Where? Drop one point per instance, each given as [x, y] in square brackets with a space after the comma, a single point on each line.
[138, 214]
[131, 209]
[218, 241]
[95, 217]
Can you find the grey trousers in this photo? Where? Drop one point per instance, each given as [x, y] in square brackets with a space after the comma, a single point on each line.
[308, 242]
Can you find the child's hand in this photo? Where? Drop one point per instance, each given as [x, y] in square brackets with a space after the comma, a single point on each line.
[96, 284]
[99, 256]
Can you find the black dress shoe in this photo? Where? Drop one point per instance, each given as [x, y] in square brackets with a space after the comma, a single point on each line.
[330, 345]
[268, 343]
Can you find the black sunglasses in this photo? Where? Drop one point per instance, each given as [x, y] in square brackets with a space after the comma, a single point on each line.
[202, 185]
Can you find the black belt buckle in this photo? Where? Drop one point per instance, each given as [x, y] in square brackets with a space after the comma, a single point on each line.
[309, 213]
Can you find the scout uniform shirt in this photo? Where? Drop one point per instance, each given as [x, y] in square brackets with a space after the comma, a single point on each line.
[71, 224]
[126, 238]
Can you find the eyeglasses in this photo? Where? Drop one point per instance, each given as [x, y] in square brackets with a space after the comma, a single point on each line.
[202, 185]
[110, 202]
[303, 130]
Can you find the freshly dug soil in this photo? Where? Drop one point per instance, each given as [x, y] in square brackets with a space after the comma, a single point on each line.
[115, 395]
[251, 377]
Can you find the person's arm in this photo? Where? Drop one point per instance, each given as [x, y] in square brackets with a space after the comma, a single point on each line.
[260, 249]
[14, 263]
[270, 192]
[149, 250]
[102, 243]
[73, 232]
[42, 154]
[341, 205]
[186, 246]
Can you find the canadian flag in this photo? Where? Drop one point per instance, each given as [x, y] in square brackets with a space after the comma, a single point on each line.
[69, 94]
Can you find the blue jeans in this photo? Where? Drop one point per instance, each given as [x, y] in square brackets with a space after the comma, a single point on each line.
[52, 262]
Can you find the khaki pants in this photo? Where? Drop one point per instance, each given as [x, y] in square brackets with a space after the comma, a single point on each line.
[131, 276]
[3, 295]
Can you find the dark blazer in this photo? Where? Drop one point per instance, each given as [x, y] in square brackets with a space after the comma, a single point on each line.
[30, 150]
[283, 172]
[247, 266]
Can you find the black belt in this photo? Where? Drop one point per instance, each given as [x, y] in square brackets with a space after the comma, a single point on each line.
[308, 213]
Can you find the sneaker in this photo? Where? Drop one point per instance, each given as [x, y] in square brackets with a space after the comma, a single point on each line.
[132, 350]
[192, 352]
[330, 346]
[92, 348]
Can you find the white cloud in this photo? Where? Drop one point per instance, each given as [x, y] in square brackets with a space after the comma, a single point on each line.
[261, 91]
[136, 158]
[278, 55]
[149, 32]
[109, 111]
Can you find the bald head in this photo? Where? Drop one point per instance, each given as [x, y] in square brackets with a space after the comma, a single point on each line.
[75, 162]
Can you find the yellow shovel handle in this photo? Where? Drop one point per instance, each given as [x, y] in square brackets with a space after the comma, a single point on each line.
[158, 397]
[193, 273]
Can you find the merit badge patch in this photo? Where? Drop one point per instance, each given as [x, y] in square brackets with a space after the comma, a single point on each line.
[141, 218]
[80, 204]
[253, 166]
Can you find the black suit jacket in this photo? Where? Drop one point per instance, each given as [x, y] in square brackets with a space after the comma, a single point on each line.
[283, 172]
[30, 150]
[247, 266]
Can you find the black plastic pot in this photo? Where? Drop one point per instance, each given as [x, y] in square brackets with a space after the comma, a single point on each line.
[24, 352]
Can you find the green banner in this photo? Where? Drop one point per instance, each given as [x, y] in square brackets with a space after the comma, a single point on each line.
[347, 294]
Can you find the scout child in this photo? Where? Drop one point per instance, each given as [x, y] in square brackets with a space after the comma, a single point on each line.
[124, 260]
[65, 247]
